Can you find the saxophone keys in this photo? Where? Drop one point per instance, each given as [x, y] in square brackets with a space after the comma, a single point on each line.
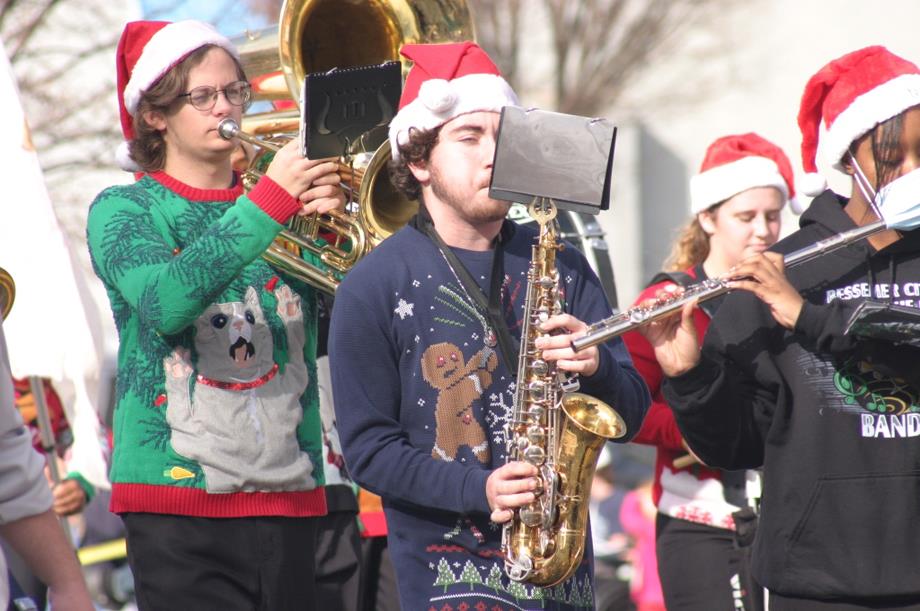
[538, 490]
[531, 515]
[535, 455]
[536, 435]
[537, 390]
[539, 367]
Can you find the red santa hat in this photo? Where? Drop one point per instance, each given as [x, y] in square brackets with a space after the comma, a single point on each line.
[853, 94]
[446, 81]
[737, 163]
[146, 51]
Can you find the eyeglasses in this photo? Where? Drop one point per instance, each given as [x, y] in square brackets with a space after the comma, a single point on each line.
[238, 93]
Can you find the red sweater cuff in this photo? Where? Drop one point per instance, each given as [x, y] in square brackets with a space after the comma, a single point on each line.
[274, 200]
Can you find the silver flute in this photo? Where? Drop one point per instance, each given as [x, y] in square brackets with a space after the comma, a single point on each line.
[637, 316]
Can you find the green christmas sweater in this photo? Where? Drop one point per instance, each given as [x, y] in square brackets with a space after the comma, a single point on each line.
[217, 412]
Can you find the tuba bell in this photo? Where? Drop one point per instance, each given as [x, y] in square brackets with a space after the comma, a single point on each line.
[315, 36]
[7, 293]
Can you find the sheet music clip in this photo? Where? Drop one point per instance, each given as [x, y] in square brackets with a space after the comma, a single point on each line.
[342, 105]
[567, 158]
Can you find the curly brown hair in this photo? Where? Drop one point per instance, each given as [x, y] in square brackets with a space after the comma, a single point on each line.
[417, 150]
[148, 148]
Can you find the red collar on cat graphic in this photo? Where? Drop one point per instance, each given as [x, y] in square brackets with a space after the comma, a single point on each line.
[239, 385]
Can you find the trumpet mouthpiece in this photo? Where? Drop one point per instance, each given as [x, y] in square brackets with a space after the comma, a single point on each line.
[228, 129]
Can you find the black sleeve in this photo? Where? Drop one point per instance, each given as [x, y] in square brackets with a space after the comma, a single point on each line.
[724, 405]
[721, 414]
[821, 327]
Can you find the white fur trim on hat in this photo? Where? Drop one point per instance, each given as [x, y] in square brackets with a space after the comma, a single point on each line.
[722, 182]
[124, 159]
[439, 101]
[165, 49]
[865, 112]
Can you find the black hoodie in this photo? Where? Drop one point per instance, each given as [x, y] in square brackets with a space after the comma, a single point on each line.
[834, 422]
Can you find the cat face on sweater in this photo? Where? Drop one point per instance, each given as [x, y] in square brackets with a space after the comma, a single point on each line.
[233, 341]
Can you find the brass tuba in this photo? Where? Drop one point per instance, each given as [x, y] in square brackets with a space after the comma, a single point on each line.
[318, 35]
[7, 293]
[336, 240]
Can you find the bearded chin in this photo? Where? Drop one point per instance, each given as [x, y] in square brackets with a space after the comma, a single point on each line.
[496, 212]
[477, 211]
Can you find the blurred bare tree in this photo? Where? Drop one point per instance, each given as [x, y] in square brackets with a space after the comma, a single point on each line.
[63, 56]
[267, 9]
[61, 52]
[52, 46]
[499, 32]
[595, 46]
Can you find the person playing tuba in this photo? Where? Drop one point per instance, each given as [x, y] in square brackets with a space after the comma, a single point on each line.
[216, 469]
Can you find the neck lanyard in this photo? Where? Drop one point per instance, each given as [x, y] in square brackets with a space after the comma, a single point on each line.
[492, 307]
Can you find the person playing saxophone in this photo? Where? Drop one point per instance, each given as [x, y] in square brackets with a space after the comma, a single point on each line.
[422, 341]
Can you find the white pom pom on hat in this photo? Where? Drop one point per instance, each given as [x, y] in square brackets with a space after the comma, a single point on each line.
[851, 94]
[146, 51]
[813, 184]
[437, 95]
[124, 159]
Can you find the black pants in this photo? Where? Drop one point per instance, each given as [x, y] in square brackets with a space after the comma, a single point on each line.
[378, 579]
[338, 562]
[702, 569]
[233, 564]
[786, 603]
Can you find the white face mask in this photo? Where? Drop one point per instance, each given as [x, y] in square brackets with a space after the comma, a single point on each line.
[898, 202]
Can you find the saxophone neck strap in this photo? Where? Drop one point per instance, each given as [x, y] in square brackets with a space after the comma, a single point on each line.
[491, 307]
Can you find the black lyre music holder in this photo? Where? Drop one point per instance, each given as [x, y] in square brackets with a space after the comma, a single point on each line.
[885, 321]
[567, 158]
[341, 105]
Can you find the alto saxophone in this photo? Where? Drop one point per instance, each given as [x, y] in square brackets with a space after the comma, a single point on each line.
[558, 431]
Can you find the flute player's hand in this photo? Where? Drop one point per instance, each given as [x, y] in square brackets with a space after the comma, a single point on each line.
[764, 275]
[673, 338]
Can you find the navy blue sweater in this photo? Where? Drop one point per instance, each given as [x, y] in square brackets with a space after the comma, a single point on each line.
[421, 403]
